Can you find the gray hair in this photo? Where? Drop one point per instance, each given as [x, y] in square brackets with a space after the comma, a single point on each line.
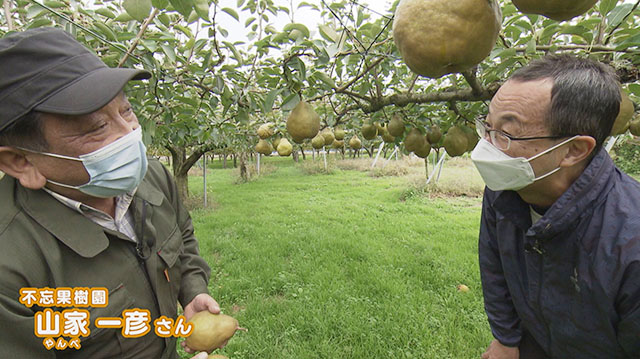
[585, 97]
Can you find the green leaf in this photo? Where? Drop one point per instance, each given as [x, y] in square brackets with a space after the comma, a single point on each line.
[160, 4]
[124, 17]
[40, 23]
[105, 30]
[606, 6]
[531, 46]
[270, 99]
[295, 26]
[325, 78]
[635, 89]
[618, 14]
[329, 33]
[164, 19]
[233, 49]
[202, 8]
[169, 51]
[106, 13]
[231, 12]
[290, 102]
[184, 7]
[54, 4]
[138, 9]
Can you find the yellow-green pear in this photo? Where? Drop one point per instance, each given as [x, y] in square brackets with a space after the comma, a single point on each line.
[210, 331]
[303, 122]
[284, 147]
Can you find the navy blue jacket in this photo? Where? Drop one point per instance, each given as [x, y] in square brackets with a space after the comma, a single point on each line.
[572, 280]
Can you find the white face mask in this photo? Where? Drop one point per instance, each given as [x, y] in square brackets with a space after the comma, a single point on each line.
[502, 172]
[114, 169]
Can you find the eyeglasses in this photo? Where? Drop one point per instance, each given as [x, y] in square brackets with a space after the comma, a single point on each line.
[500, 139]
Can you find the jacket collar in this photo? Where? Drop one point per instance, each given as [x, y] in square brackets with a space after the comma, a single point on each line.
[592, 186]
[73, 229]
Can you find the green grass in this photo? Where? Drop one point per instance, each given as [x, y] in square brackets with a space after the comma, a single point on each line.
[343, 265]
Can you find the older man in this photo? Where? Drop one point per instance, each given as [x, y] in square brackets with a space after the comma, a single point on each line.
[83, 211]
[560, 232]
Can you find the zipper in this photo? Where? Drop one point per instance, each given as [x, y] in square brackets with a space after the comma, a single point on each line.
[538, 248]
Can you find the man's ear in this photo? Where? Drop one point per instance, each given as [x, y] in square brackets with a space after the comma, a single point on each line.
[578, 150]
[15, 164]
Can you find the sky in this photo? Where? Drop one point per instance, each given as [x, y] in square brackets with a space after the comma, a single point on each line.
[304, 15]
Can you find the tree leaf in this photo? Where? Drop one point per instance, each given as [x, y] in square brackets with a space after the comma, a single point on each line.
[606, 6]
[231, 12]
[138, 9]
[184, 7]
[329, 33]
[160, 4]
[270, 99]
[616, 15]
[106, 13]
[295, 26]
[202, 8]
[290, 102]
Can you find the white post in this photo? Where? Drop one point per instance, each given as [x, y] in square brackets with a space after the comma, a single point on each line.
[437, 167]
[609, 145]
[204, 177]
[258, 163]
[324, 155]
[395, 152]
[444, 154]
[377, 155]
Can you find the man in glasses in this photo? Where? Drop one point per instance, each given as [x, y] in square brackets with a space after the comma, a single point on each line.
[90, 230]
[559, 244]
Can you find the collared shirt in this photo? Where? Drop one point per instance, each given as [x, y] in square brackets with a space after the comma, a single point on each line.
[123, 221]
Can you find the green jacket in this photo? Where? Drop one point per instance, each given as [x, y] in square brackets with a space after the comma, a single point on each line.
[47, 244]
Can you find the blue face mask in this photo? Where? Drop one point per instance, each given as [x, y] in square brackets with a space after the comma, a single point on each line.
[114, 169]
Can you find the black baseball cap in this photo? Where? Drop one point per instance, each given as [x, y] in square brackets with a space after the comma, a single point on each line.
[47, 70]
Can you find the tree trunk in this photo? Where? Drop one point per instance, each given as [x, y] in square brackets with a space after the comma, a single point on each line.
[224, 160]
[235, 162]
[243, 167]
[302, 151]
[426, 166]
[342, 150]
[178, 159]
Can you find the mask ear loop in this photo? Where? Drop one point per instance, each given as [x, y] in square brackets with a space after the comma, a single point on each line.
[547, 151]
[553, 148]
[50, 154]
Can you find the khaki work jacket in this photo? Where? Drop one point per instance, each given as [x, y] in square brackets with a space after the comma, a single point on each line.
[45, 244]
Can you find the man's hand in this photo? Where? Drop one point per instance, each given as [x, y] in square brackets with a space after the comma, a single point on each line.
[200, 302]
[498, 351]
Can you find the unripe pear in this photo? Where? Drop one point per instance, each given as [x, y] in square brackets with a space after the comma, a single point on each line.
[265, 131]
[339, 134]
[210, 331]
[455, 142]
[369, 131]
[625, 114]
[396, 126]
[284, 147]
[434, 135]
[264, 147]
[328, 137]
[303, 122]
[317, 142]
[414, 141]
[355, 143]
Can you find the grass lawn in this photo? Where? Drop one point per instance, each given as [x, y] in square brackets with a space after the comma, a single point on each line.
[344, 265]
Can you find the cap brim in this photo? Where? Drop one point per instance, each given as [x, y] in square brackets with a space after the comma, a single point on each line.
[91, 92]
